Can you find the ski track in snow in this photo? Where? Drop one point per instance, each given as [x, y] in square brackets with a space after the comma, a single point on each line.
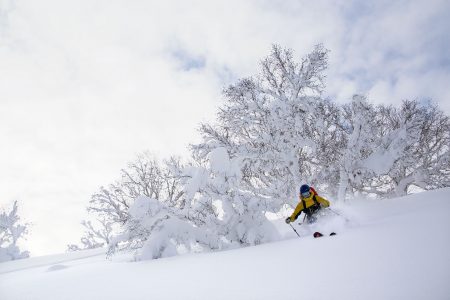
[391, 249]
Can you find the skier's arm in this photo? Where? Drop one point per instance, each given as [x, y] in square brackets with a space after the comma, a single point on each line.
[297, 211]
[323, 202]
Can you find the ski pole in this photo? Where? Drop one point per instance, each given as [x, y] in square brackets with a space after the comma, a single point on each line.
[294, 229]
[335, 212]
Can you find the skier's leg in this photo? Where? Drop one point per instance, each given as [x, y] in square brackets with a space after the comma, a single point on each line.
[311, 219]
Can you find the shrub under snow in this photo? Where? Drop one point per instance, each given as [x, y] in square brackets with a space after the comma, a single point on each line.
[10, 232]
[154, 231]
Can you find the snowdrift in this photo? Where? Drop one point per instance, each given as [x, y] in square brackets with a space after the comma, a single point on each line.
[391, 249]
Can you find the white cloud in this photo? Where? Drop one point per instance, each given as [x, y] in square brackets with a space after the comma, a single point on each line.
[84, 85]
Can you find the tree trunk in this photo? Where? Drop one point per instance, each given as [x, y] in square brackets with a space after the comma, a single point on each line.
[343, 185]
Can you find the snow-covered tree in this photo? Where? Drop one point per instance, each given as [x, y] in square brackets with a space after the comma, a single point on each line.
[389, 149]
[416, 152]
[96, 235]
[217, 214]
[359, 124]
[235, 214]
[268, 122]
[145, 176]
[285, 133]
[11, 230]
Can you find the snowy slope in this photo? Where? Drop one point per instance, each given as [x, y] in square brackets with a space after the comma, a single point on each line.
[393, 249]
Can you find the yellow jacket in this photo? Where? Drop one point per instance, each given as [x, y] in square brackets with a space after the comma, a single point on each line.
[308, 202]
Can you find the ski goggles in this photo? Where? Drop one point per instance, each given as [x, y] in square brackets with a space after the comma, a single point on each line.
[306, 194]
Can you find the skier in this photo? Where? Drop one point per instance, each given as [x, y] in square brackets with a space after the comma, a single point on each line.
[310, 203]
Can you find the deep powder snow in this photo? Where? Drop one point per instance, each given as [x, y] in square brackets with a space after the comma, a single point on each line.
[390, 249]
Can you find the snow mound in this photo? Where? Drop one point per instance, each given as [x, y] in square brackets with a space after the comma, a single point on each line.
[56, 268]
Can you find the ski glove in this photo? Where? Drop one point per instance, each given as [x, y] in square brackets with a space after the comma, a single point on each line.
[288, 220]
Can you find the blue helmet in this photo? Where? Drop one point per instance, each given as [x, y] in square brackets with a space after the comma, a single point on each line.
[304, 189]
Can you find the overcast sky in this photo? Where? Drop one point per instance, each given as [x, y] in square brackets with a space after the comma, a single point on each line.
[85, 85]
